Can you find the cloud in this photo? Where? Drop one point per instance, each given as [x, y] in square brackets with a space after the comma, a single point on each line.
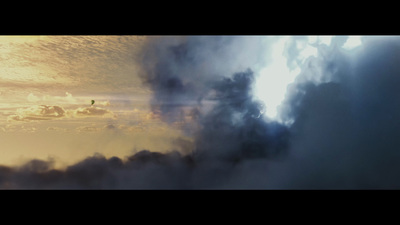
[47, 112]
[343, 108]
[38, 112]
[67, 99]
[32, 98]
[345, 129]
[343, 132]
[234, 129]
[180, 70]
[103, 103]
[139, 171]
[52, 129]
[142, 170]
[231, 127]
[87, 129]
[91, 112]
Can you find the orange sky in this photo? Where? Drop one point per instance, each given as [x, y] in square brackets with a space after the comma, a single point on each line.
[46, 84]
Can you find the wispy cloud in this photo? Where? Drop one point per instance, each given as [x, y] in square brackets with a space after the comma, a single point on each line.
[49, 112]
[91, 112]
[94, 64]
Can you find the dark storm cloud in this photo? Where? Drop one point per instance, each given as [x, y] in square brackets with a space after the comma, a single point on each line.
[182, 70]
[234, 129]
[345, 132]
[345, 126]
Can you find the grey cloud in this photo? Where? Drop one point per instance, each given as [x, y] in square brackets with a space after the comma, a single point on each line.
[344, 134]
[181, 70]
[345, 130]
[233, 129]
[144, 170]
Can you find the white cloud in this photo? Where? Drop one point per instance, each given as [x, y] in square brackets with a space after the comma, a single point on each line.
[352, 42]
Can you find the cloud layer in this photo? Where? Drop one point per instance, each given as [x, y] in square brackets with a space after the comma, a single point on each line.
[48, 112]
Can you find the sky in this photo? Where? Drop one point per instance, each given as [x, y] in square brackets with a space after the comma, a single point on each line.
[199, 112]
[46, 87]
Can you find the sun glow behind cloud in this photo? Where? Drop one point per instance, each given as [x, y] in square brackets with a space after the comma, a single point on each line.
[273, 79]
